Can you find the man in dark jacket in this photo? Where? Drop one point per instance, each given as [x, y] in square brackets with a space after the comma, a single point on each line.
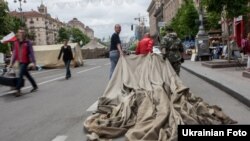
[24, 54]
[67, 57]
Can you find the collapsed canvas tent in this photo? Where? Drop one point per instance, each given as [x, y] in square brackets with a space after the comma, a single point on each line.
[146, 100]
[46, 55]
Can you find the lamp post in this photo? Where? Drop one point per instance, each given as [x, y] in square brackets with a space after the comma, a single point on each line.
[20, 7]
[201, 19]
[202, 48]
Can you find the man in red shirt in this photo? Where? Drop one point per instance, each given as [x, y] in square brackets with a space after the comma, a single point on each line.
[145, 46]
[24, 54]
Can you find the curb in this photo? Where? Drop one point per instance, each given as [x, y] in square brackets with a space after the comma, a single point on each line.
[220, 86]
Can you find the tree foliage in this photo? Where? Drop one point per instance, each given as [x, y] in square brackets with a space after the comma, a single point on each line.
[184, 22]
[74, 34]
[79, 37]
[7, 24]
[133, 46]
[212, 21]
[63, 34]
[228, 9]
[234, 8]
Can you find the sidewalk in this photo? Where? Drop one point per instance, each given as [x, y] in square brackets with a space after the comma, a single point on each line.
[229, 80]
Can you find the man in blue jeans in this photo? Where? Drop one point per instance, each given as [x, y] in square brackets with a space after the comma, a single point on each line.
[115, 49]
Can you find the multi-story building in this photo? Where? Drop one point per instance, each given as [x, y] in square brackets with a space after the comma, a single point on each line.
[162, 11]
[41, 24]
[155, 15]
[170, 9]
[78, 24]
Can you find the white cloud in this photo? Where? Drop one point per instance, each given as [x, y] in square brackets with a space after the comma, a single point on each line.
[101, 15]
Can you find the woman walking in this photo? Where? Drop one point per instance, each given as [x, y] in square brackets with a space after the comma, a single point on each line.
[67, 57]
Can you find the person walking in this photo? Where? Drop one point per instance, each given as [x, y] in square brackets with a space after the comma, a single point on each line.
[67, 57]
[173, 49]
[145, 46]
[115, 49]
[23, 53]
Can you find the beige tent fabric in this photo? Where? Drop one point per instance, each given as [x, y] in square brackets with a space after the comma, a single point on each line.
[46, 55]
[146, 101]
[94, 50]
[93, 44]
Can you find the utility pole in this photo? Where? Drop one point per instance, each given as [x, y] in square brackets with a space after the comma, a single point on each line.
[141, 26]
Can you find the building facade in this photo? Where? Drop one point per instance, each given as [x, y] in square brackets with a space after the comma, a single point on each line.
[162, 11]
[41, 24]
[85, 29]
[153, 17]
[170, 9]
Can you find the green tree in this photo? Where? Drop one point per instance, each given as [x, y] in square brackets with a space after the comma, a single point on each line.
[213, 19]
[228, 9]
[7, 24]
[133, 46]
[79, 37]
[234, 8]
[74, 34]
[184, 22]
[63, 34]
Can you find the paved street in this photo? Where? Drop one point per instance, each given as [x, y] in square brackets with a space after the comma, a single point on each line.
[56, 112]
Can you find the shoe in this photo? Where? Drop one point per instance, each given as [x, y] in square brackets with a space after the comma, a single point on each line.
[34, 89]
[18, 93]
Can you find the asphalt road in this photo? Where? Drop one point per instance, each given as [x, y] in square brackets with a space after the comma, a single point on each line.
[56, 112]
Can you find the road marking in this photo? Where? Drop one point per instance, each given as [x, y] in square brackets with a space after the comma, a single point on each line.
[61, 74]
[41, 83]
[44, 71]
[106, 64]
[60, 138]
[93, 107]
[51, 80]
[88, 69]
[48, 81]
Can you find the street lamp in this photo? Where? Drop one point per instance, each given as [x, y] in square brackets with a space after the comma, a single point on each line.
[201, 19]
[20, 7]
[141, 26]
[202, 39]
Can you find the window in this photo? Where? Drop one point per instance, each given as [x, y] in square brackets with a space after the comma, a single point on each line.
[37, 19]
[31, 21]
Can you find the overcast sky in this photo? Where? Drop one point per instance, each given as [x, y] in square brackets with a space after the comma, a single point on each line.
[100, 15]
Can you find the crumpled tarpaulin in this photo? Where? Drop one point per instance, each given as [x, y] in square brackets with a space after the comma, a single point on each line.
[146, 100]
